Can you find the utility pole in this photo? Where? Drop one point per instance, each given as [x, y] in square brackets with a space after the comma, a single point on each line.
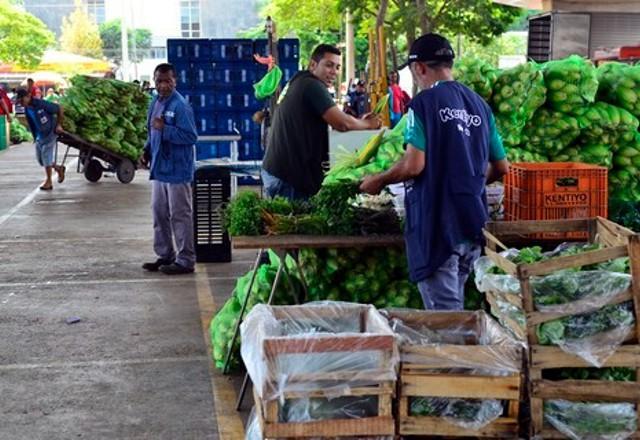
[124, 41]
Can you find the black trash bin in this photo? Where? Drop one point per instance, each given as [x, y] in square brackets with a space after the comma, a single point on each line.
[211, 189]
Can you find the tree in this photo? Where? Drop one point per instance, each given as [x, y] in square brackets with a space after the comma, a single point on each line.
[80, 33]
[23, 38]
[479, 20]
[110, 34]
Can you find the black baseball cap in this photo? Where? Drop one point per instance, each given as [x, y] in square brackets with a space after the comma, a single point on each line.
[431, 48]
[21, 93]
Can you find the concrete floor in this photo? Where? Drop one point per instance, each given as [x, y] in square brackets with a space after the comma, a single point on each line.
[137, 364]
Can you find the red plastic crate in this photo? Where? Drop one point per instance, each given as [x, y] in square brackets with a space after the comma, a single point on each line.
[553, 191]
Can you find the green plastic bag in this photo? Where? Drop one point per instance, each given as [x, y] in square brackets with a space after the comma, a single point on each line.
[269, 83]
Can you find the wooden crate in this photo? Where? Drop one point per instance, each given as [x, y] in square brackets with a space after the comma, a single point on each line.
[617, 241]
[375, 380]
[419, 376]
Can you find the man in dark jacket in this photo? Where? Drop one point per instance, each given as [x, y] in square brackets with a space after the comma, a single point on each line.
[453, 150]
[169, 152]
[45, 119]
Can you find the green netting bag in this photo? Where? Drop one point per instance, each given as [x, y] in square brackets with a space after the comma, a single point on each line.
[269, 83]
[477, 74]
[571, 83]
[549, 132]
[620, 85]
[517, 94]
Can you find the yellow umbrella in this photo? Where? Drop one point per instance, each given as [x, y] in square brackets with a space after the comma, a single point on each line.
[70, 63]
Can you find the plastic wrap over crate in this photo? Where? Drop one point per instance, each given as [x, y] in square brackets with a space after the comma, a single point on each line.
[594, 330]
[320, 347]
[456, 343]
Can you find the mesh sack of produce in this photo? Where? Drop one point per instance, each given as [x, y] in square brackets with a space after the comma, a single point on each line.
[517, 94]
[606, 123]
[624, 183]
[222, 326]
[582, 420]
[107, 112]
[548, 132]
[477, 74]
[620, 85]
[588, 152]
[519, 154]
[323, 348]
[19, 133]
[571, 83]
[596, 330]
[375, 276]
[437, 340]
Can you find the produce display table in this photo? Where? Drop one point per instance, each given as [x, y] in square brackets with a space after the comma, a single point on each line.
[290, 245]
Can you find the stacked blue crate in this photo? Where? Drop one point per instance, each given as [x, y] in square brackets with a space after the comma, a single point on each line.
[217, 77]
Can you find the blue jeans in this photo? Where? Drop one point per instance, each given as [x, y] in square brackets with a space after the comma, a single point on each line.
[444, 289]
[274, 186]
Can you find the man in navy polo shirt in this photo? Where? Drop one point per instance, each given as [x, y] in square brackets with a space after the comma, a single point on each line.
[453, 151]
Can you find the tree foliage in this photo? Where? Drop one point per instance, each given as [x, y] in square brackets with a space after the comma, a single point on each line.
[80, 33]
[23, 38]
[479, 20]
[110, 34]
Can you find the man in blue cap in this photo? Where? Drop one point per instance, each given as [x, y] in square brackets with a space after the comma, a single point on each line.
[453, 151]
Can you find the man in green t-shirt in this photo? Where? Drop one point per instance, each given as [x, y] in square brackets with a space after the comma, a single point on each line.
[298, 142]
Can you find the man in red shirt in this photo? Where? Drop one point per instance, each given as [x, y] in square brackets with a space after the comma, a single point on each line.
[33, 90]
[5, 104]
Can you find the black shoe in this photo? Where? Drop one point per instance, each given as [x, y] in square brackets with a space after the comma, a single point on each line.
[175, 269]
[153, 267]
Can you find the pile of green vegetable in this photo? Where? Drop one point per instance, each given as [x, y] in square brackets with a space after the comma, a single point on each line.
[477, 74]
[337, 209]
[517, 94]
[571, 83]
[107, 112]
[620, 86]
[375, 276]
[19, 133]
[223, 323]
[580, 420]
[470, 413]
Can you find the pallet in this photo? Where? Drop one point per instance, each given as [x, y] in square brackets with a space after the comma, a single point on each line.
[376, 377]
[419, 376]
[617, 241]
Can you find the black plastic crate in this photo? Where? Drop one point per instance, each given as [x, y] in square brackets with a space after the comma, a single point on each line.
[211, 189]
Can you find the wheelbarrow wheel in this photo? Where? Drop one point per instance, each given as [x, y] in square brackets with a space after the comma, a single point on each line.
[93, 170]
[125, 171]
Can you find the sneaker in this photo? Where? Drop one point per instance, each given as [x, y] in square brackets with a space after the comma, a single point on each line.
[175, 269]
[153, 267]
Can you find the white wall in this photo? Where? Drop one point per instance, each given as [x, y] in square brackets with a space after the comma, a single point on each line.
[161, 17]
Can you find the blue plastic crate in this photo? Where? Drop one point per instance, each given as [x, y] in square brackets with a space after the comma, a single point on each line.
[212, 150]
[288, 50]
[202, 75]
[232, 100]
[250, 149]
[249, 180]
[228, 75]
[239, 49]
[177, 50]
[229, 122]
[199, 50]
[260, 46]
[288, 70]
[184, 75]
[206, 122]
[202, 100]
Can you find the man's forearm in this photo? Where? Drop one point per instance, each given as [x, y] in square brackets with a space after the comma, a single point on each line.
[400, 172]
[493, 174]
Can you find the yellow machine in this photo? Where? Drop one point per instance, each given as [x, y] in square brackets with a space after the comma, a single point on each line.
[378, 85]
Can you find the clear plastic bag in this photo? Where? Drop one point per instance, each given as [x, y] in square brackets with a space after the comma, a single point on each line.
[326, 347]
[595, 330]
[592, 421]
[443, 333]
[466, 413]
